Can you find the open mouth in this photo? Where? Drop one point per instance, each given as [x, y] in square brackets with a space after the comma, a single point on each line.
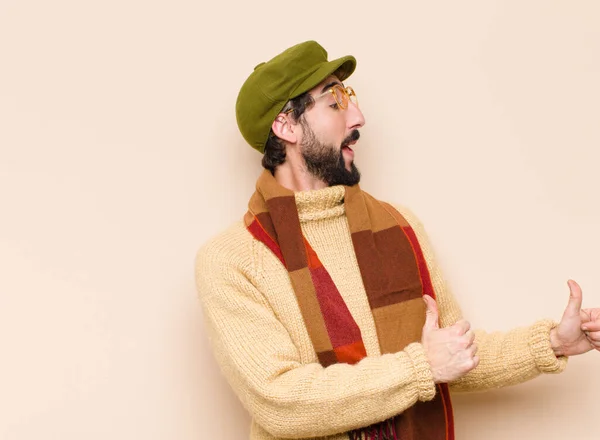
[349, 142]
[347, 145]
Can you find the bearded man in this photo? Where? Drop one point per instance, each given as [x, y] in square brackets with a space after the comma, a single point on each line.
[325, 307]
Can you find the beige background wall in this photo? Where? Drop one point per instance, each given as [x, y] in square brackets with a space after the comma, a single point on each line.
[119, 157]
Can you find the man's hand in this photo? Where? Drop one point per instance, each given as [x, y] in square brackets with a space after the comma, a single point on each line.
[579, 329]
[450, 351]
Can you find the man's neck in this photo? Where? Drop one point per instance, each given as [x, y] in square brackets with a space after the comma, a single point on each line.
[297, 178]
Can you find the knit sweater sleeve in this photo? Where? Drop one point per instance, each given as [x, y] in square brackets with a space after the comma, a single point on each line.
[506, 358]
[289, 398]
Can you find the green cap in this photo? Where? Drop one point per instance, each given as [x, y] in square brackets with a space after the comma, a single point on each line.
[272, 84]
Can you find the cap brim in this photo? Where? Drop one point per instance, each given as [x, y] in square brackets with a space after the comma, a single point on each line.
[342, 68]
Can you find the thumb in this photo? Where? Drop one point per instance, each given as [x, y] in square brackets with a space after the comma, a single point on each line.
[575, 299]
[431, 314]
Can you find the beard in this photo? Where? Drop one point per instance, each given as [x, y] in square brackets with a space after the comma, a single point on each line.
[326, 162]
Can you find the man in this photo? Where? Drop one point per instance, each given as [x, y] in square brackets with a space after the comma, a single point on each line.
[325, 307]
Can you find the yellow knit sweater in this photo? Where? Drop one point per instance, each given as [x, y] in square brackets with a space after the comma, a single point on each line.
[265, 352]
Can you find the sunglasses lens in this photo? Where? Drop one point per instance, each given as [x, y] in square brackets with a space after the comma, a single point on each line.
[352, 95]
[341, 97]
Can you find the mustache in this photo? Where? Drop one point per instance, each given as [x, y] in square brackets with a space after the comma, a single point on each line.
[352, 137]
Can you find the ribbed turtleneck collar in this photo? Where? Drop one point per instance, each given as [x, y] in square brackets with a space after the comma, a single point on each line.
[320, 203]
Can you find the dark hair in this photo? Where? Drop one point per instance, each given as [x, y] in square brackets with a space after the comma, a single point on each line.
[274, 148]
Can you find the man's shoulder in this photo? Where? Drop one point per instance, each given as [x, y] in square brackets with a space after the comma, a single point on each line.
[406, 212]
[230, 246]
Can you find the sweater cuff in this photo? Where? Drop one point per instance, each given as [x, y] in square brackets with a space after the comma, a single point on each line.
[539, 344]
[425, 384]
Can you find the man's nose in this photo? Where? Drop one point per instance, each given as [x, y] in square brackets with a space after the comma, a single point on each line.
[354, 116]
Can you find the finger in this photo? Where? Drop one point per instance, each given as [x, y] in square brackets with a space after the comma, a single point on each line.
[595, 344]
[595, 336]
[591, 326]
[431, 313]
[575, 299]
[586, 315]
[475, 361]
[591, 314]
[469, 337]
[462, 327]
[473, 349]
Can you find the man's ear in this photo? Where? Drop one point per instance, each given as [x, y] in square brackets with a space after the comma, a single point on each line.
[284, 129]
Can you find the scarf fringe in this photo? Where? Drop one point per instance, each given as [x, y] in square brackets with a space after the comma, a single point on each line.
[385, 430]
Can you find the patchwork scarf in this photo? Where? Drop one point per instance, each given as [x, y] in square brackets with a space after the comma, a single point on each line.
[395, 277]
